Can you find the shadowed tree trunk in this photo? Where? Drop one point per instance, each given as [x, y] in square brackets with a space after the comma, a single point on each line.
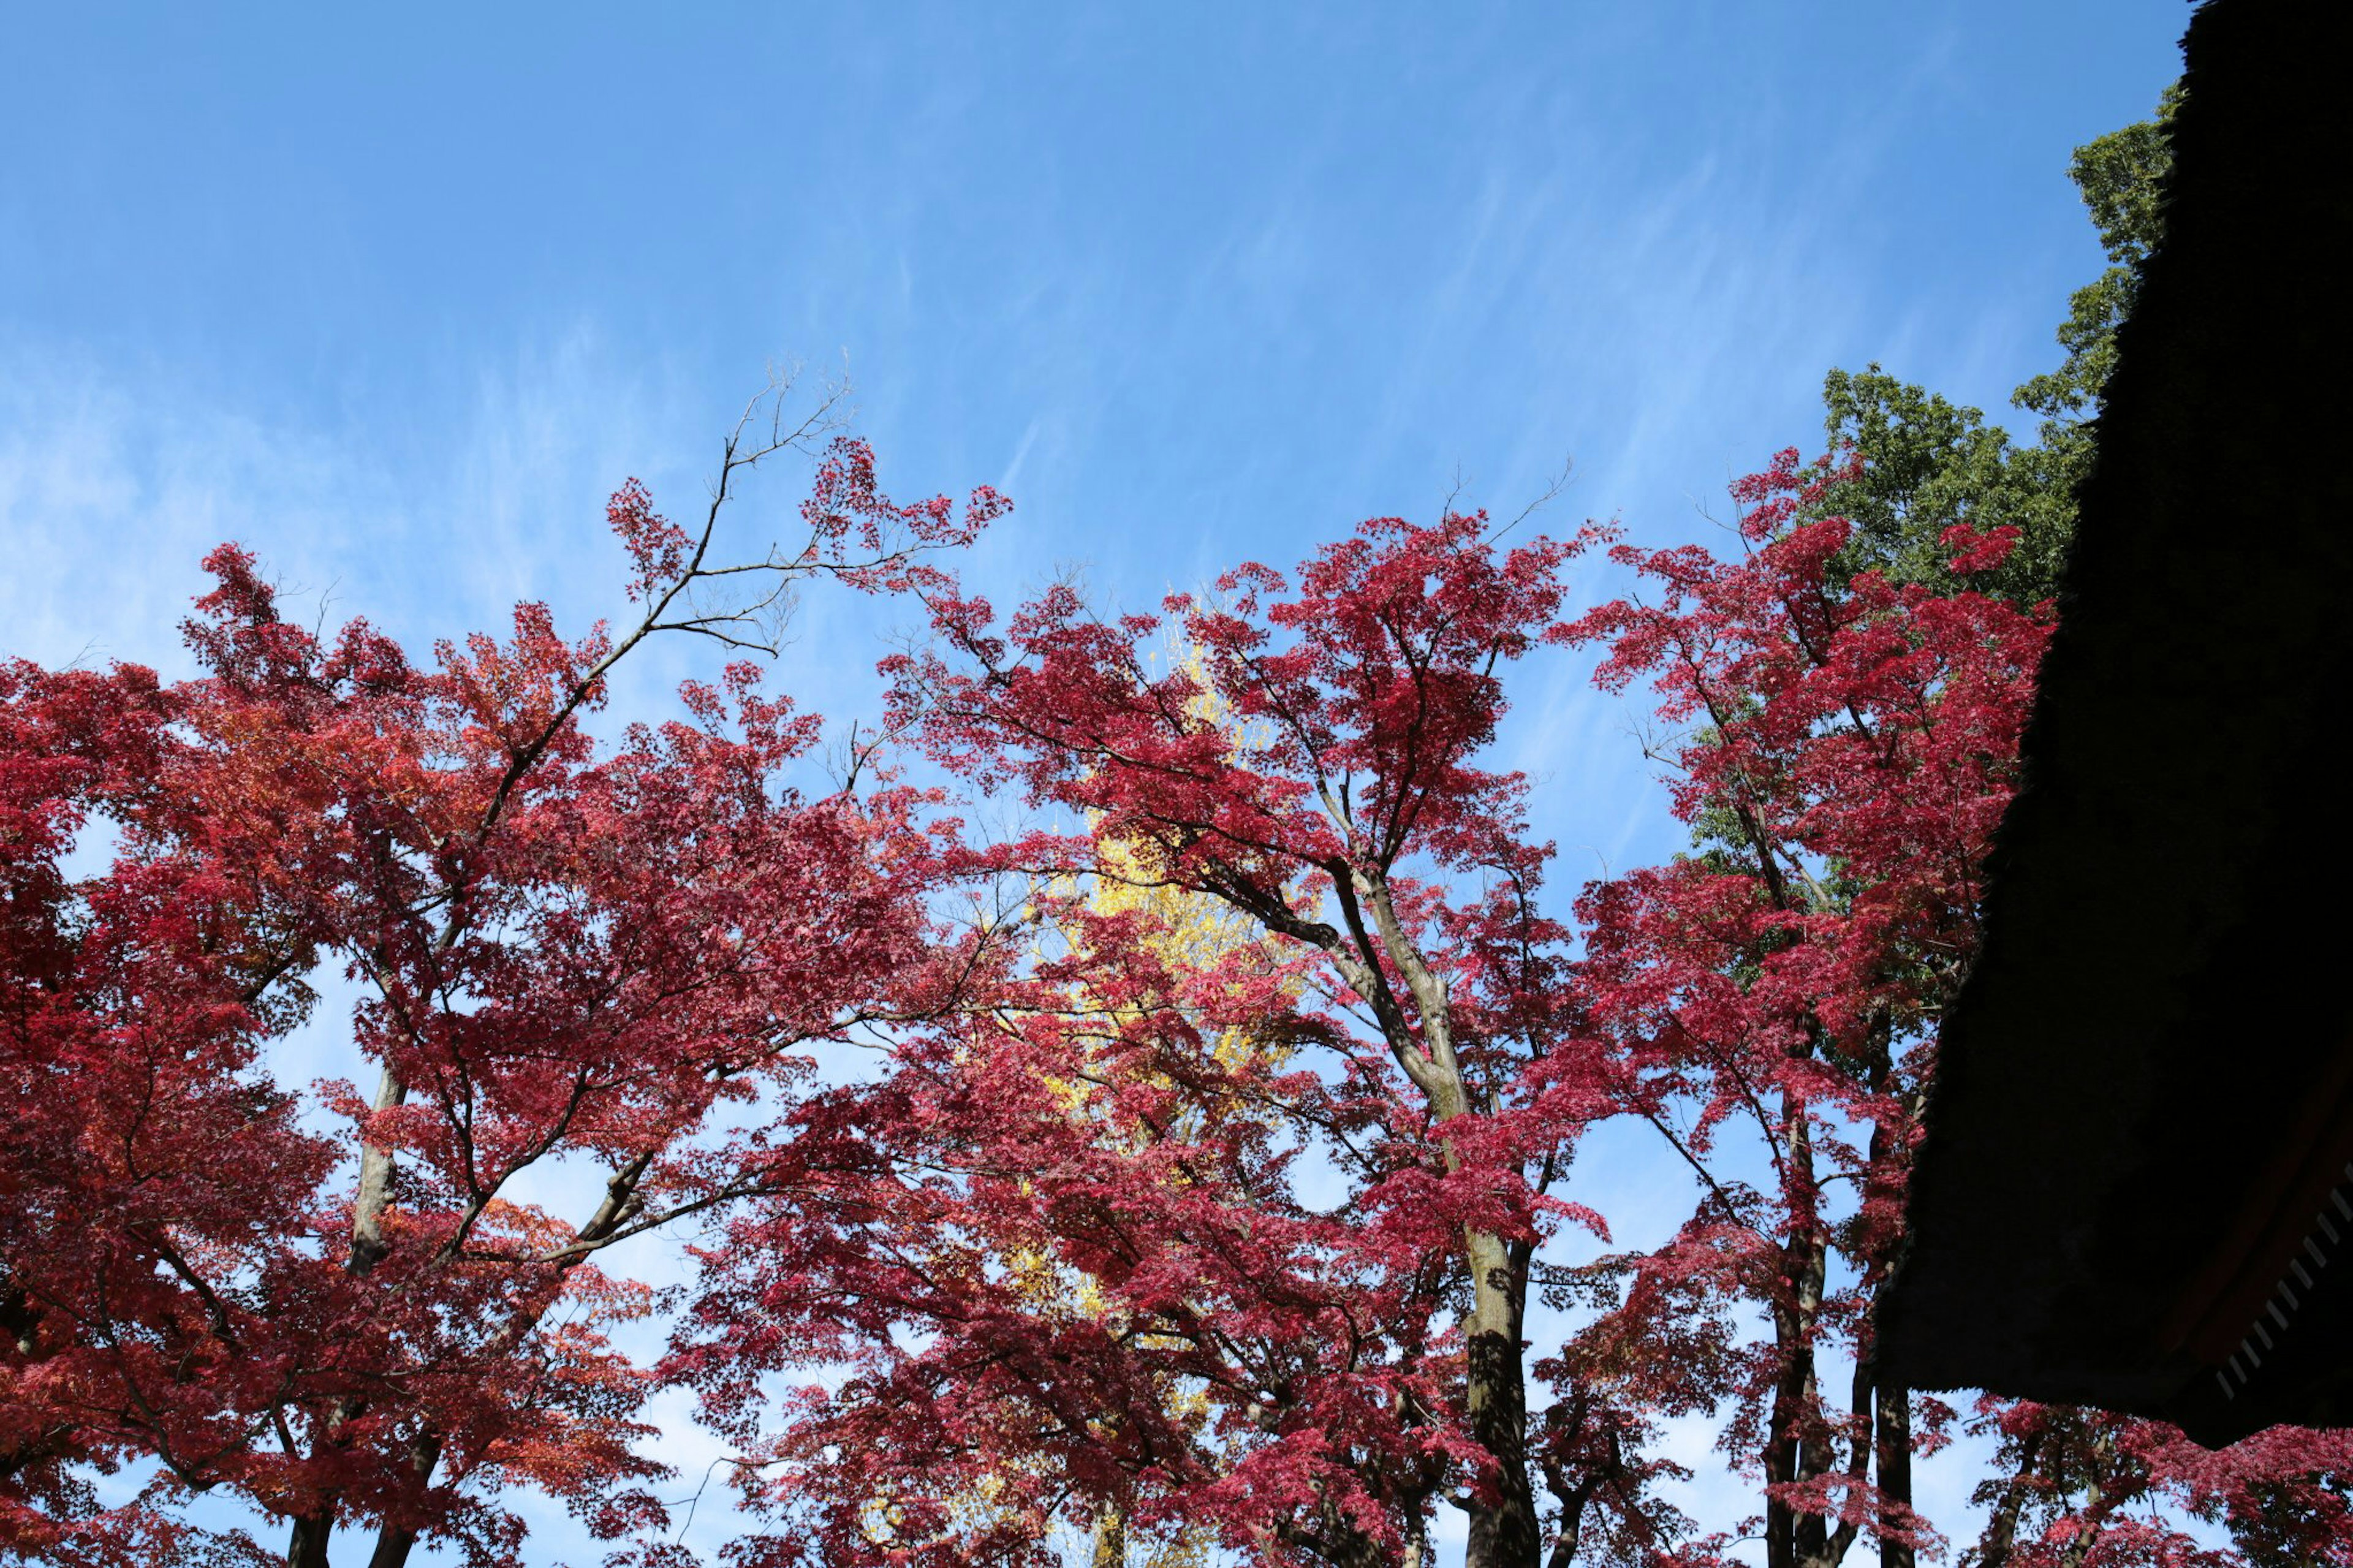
[2001, 1530]
[1894, 1424]
[1503, 1535]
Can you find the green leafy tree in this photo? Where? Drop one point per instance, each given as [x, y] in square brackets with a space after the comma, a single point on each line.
[1920, 463]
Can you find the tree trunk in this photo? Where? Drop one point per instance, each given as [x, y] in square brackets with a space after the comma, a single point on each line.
[1503, 1534]
[1795, 1540]
[2000, 1535]
[2093, 1516]
[1786, 1458]
[307, 1547]
[392, 1542]
[374, 1193]
[1895, 1458]
[1811, 1531]
[392, 1548]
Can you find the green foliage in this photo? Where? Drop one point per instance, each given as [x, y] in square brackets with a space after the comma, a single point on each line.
[2121, 177]
[1928, 463]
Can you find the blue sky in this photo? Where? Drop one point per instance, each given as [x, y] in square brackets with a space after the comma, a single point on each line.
[396, 302]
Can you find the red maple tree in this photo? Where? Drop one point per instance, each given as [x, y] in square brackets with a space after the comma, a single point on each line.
[1274, 1298]
[1771, 999]
[1849, 749]
[1311, 1256]
[565, 952]
[1213, 1144]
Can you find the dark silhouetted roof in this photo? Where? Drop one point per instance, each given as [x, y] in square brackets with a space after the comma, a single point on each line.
[2136, 1187]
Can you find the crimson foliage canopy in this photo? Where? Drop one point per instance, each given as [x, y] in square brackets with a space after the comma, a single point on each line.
[1210, 1184]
